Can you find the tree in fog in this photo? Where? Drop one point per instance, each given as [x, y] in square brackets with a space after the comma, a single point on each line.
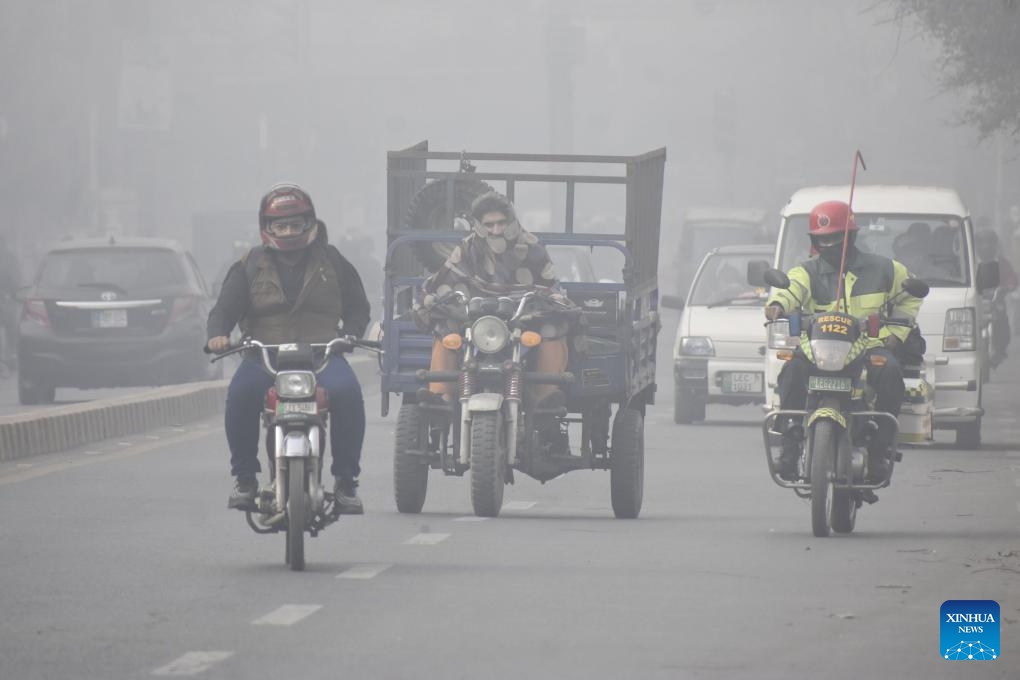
[980, 56]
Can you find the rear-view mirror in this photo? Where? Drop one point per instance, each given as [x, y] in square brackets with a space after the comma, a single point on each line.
[777, 278]
[916, 287]
[987, 276]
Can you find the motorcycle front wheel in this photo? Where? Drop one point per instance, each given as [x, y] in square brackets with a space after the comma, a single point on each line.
[297, 511]
[824, 439]
[488, 463]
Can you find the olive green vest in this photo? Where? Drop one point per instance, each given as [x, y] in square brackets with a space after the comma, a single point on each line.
[314, 317]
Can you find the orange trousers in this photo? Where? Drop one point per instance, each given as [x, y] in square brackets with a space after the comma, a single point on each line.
[551, 357]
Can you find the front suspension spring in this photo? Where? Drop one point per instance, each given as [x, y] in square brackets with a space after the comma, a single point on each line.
[512, 384]
[465, 385]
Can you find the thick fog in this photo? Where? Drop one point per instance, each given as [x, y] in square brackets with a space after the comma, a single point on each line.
[144, 117]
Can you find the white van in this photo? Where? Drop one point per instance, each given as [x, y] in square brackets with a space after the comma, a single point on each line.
[929, 230]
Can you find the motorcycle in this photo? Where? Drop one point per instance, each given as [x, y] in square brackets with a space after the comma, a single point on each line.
[295, 416]
[839, 419]
[490, 427]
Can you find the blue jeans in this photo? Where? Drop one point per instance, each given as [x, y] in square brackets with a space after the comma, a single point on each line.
[346, 416]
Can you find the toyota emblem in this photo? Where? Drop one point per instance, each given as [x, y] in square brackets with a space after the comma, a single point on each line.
[108, 296]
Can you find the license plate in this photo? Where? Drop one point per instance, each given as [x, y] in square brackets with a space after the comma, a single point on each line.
[829, 383]
[109, 318]
[742, 382]
[306, 407]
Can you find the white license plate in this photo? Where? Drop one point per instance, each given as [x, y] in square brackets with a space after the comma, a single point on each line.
[829, 383]
[109, 318]
[307, 407]
[742, 382]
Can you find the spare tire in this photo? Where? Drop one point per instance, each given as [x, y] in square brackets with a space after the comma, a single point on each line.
[428, 211]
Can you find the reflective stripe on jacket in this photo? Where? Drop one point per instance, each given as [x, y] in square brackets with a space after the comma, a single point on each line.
[871, 281]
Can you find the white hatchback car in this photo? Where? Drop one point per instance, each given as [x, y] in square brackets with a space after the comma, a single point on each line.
[719, 352]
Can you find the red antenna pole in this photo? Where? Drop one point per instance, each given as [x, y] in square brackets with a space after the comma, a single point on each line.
[841, 294]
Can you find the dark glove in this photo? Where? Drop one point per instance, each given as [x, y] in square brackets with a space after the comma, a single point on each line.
[892, 343]
[773, 311]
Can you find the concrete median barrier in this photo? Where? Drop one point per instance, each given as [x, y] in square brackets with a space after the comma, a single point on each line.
[66, 427]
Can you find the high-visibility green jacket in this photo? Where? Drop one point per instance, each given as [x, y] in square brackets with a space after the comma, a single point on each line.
[871, 281]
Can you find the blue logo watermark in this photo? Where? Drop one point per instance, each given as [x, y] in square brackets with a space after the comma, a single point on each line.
[969, 630]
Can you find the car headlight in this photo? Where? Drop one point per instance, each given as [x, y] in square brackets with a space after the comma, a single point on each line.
[696, 346]
[490, 334]
[830, 355]
[295, 384]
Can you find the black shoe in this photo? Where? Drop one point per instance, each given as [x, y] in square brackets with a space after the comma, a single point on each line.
[790, 456]
[345, 491]
[243, 495]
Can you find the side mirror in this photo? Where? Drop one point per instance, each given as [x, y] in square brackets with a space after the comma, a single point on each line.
[776, 278]
[987, 276]
[672, 301]
[916, 287]
[756, 273]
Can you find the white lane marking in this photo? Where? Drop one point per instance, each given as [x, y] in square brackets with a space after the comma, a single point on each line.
[25, 465]
[287, 615]
[91, 453]
[192, 663]
[151, 436]
[364, 571]
[426, 539]
[124, 444]
[470, 518]
[519, 505]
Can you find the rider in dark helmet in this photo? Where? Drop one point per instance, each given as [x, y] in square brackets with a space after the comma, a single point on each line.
[293, 288]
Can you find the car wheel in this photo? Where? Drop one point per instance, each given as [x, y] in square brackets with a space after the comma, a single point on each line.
[32, 392]
[968, 435]
[687, 407]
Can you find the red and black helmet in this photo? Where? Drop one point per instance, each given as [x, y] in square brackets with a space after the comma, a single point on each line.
[292, 204]
[831, 217]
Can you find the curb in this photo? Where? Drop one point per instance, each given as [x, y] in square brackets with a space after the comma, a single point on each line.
[66, 427]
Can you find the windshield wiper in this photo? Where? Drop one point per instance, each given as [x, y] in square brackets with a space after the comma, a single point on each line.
[100, 284]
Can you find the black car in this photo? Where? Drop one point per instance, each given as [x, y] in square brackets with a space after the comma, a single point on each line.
[116, 312]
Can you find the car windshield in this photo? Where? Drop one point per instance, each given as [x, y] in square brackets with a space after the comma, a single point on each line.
[932, 247]
[723, 280]
[126, 269]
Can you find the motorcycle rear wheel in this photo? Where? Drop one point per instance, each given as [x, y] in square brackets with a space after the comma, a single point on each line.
[297, 511]
[823, 454]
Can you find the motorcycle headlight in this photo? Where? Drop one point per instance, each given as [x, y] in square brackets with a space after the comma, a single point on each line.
[490, 334]
[696, 346]
[830, 355]
[295, 384]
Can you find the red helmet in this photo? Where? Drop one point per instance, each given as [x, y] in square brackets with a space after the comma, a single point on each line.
[291, 203]
[831, 217]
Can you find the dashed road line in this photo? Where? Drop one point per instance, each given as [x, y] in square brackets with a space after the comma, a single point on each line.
[470, 518]
[364, 571]
[519, 505]
[426, 539]
[287, 615]
[192, 663]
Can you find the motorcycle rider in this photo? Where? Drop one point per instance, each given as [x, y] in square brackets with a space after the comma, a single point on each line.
[293, 288]
[498, 257]
[986, 246]
[871, 280]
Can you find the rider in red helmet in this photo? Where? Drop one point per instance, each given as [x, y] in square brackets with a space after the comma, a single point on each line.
[870, 281]
[293, 288]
